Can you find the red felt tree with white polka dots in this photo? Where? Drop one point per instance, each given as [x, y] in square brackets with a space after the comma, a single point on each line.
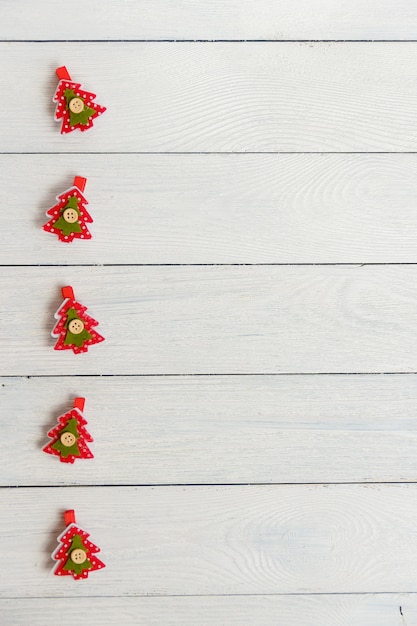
[75, 554]
[75, 107]
[69, 438]
[69, 216]
[74, 329]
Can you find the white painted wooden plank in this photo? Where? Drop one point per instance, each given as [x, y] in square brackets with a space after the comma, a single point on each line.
[216, 540]
[215, 319]
[216, 429]
[214, 19]
[216, 208]
[298, 610]
[226, 97]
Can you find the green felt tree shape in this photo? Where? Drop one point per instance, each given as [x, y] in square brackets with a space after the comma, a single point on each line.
[69, 227]
[72, 338]
[77, 561]
[65, 450]
[78, 116]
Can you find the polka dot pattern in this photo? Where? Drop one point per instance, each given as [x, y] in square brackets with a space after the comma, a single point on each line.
[56, 211]
[62, 553]
[60, 331]
[62, 111]
[84, 437]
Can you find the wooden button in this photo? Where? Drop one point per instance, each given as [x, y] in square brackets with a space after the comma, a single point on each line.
[70, 216]
[76, 105]
[76, 327]
[78, 556]
[67, 439]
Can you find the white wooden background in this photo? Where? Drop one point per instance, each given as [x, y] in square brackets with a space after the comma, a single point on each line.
[254, 271]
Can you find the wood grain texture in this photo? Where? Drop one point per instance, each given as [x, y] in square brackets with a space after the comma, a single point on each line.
[214, 555]
[215, 429]
[299, 610]
[260, 208]
[216, 19]
[215, 319]
[216, 540]
[221, 97]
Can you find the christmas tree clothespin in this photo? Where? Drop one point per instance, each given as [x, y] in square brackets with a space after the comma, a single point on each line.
[74, 329]
[75, 107]
[69, 216]
[70, 436]
[76, 554]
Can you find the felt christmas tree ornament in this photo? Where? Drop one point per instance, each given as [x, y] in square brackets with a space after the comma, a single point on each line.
[69, 215]
[75, 107]
[69, 438]
[74, 329]
[75, 554]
